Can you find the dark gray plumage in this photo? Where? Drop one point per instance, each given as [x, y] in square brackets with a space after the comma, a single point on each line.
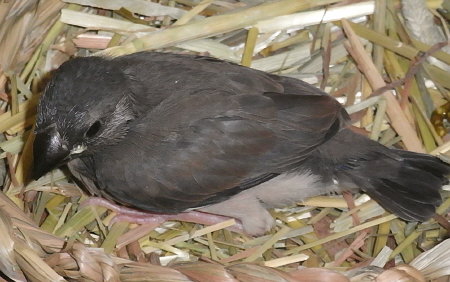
[166, 133]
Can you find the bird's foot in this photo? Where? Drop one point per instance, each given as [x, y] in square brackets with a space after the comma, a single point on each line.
[141, 217]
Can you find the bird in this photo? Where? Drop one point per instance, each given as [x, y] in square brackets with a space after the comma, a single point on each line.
[172, 133]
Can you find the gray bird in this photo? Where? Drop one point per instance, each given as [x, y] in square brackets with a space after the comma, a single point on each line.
[168, 133]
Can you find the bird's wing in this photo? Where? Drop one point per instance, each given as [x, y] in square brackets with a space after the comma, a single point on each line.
[153, 77]
[201, 148]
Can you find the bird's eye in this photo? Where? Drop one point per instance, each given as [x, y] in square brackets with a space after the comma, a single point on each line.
[94, 129]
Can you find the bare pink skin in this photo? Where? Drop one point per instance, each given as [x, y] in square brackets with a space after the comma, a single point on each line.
[141, 217]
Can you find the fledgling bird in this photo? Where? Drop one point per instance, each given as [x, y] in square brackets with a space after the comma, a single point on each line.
[168, 133]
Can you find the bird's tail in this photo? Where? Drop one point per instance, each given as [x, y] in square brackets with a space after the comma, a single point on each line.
[405, 183]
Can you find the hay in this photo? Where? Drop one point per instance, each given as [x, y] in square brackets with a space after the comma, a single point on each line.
[46, 235]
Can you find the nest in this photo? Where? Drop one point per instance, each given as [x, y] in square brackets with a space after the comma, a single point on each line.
[384, 61]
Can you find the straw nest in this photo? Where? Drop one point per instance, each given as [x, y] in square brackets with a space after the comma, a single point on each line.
[384, 61]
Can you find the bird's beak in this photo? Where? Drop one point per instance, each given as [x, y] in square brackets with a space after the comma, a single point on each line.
[49, 151]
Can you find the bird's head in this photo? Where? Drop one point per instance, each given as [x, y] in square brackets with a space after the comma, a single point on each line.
[84, 108]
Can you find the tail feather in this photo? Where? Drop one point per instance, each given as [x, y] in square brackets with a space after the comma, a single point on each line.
[405, 183]
[427, 163]
[409, 199]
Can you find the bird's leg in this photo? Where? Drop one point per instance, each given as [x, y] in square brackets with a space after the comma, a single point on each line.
[141, 217]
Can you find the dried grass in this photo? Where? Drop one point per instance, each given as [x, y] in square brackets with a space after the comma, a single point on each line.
[45, 235]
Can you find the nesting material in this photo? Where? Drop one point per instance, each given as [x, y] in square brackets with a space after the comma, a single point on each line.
[361, 52]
